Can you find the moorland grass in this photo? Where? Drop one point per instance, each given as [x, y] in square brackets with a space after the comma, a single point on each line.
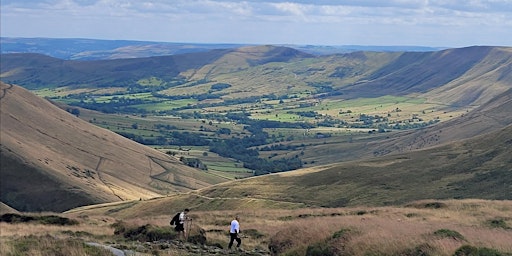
[409, 230]
[48, 245]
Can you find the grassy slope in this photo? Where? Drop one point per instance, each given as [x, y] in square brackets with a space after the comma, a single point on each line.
[475, 168]
[39, 71]
[481, 83]
[450, 76]
[350, 71]
[86, 160]
[29, 189]
[6, 209]
[488, 117]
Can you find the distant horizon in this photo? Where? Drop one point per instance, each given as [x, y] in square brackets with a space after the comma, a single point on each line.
[452, 24]
[229, 43]
[94, 49]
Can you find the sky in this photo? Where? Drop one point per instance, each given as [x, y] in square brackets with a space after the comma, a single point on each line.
[435, 23]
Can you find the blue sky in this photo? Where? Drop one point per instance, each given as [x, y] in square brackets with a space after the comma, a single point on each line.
[437, 23]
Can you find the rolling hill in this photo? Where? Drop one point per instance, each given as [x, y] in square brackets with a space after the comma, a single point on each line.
[53, 161]
[491, 116]
[467, 157]
[40, 71]
[454, 77]
[480, 167]
[82, 164]
[94, 49]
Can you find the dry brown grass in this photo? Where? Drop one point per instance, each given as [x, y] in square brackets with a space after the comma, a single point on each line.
[365, 230]
[388, 230]
[48, 245]
[26, 229]
[49, 146]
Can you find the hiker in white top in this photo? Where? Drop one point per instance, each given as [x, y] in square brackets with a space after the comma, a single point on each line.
[234, 230]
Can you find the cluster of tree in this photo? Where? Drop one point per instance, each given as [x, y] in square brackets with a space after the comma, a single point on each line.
[235, 148]
[330, 122]
[119, 105]
[167, 127]
[159, 140]
[219, 87]
[194, 162]
[226, 131]
[256, 125]
[369, 120]
[279, 147]
[411, 125]
[188, 139]
[74, 111]
[306, 113]
[242, 150]
[264, 166]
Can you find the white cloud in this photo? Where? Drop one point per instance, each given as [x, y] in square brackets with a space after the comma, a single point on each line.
[421, 22]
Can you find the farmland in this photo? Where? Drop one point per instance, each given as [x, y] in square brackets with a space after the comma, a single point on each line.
[291, 126]
[268, 108]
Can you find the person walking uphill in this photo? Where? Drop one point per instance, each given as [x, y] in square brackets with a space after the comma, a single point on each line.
[234, 230]
[179, 220]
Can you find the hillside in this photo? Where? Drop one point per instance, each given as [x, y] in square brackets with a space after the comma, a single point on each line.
[491, 116]
[53, 161]
[454, 77]
[311, 111]
[6, 209]
[39, 71]
[479, 168]
[36, 71]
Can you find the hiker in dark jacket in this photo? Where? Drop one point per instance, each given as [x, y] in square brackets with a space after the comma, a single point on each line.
[180, 223]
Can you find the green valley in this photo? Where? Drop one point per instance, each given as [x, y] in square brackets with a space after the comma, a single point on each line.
[276, 102]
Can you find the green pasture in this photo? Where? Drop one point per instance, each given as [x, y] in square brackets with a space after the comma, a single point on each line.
[119, 120]
[69, 101]
[368, 104]
[57, 93]
[230, 175]
[281, 116]
[46, 92]
[147, 96]
[165, 105]
[152, 81]
[187, 89]
[396, 108]
[217, 165]
[223, 166]
[140, 132]
[310, 133]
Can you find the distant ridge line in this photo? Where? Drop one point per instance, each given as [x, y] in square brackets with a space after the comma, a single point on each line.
[97, 49]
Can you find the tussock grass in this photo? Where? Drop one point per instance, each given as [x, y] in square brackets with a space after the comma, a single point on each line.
[145, 233]
[412, 229]
[49, 245]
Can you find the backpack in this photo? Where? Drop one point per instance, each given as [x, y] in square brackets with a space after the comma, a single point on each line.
[176, 219]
